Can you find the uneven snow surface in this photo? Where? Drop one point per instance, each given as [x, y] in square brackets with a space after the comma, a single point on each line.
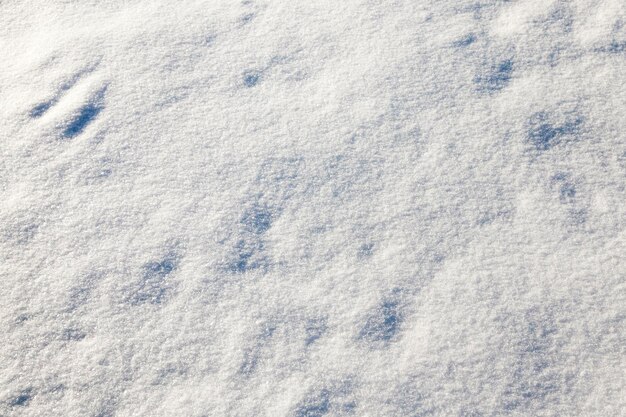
[313, 208]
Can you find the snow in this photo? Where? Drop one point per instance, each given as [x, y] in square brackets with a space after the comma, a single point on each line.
[306, 209]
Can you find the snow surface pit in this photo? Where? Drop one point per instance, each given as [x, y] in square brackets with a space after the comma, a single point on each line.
[307, 209]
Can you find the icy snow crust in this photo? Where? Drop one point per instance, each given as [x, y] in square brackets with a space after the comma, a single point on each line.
[313, 208]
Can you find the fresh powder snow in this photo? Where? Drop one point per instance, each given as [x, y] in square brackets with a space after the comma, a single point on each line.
[282, 208]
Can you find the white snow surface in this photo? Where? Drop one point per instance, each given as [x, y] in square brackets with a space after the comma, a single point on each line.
[313, 208]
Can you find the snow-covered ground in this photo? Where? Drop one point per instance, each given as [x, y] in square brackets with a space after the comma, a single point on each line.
[313, 208]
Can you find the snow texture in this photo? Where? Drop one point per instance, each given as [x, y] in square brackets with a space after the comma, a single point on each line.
[313, 208]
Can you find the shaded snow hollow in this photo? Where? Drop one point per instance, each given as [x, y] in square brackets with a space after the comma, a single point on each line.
[313, 208]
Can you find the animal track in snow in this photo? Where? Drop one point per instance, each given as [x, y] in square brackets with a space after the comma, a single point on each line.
[74, 106]
[85, 115]
[41, 108]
